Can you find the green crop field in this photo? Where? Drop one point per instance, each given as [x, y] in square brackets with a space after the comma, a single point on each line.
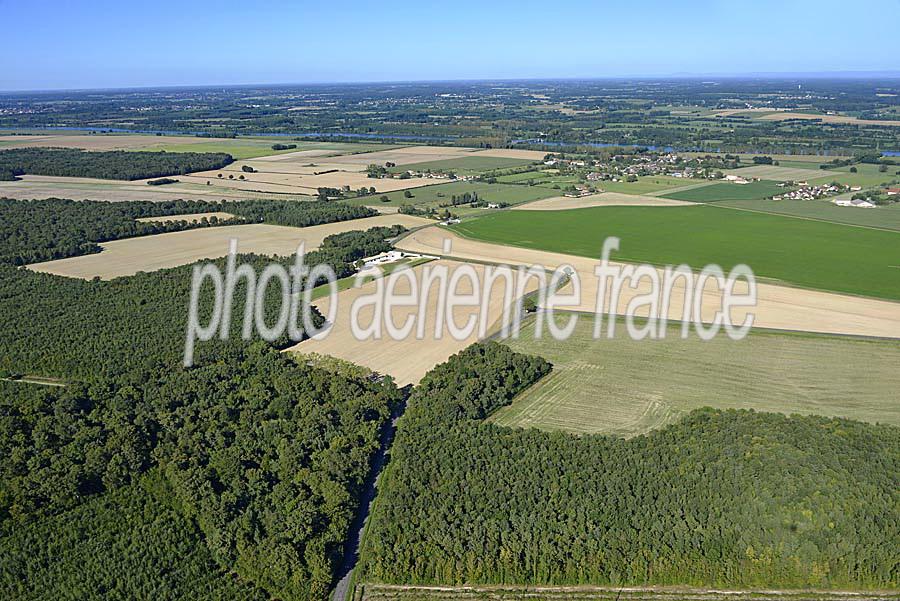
[625, 387]
[808, 253]
[866, 175]
[886, 217]
[648, 184]
[728, 191]
[810, 165]
[524, 178]
[432, 196]
[464, 165]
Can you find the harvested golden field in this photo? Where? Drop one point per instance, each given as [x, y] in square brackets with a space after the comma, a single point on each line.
[79, 188]
[404, 156]
[298, 173]
[769, 114]
[190, 217]
[779, 307]
[408, 359]
[149, 253]
[628, 387]
[605, 199]
[842, 119]
[295, 167]
[782, 174]
[359, 180]
[96, 142]
[302, 173]
[298, 155]
[512, 153]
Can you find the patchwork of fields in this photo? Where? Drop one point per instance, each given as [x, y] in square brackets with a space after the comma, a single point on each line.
[259, 171]
[728, 191]
[465, 165]
[605, 199]
[409, 358]
[779, 307]
[160, 251]
[886, 217]
[807, 253]
[443, 193]
[624, 387]
[782, 173]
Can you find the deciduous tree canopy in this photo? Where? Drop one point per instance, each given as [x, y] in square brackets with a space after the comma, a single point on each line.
[727, 498]
[113, 164]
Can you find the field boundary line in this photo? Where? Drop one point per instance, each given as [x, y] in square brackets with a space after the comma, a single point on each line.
[803, 217]
[633, 261]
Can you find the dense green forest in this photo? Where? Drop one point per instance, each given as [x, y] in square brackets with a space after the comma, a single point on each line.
[132, 543]
[246, 468]
[71, 328]
[266, 455]
[39, 230]
[722, 498]
[113, 164]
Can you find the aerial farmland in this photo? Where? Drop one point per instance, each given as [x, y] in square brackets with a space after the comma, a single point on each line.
[462, 337]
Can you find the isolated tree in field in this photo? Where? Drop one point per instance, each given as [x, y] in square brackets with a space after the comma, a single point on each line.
[384, 198]
[407, 194]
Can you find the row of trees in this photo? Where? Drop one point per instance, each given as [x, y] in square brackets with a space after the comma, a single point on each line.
[721, 498]
[41, 230]
[126, 328]
[114, 164]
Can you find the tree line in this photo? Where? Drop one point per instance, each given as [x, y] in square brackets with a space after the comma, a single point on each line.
[257, 456]
[721, 498]
[112, 164]
[42, 230]
[127, 327]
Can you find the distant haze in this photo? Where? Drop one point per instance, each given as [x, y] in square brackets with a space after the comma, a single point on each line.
[60, 44]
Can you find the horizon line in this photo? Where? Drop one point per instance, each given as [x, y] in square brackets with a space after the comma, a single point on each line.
[777, 75]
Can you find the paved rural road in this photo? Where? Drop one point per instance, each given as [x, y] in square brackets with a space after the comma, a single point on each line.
[354, 537]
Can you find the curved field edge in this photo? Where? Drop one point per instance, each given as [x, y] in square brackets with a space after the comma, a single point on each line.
[624, 387]
[810, 254]
[721, 498]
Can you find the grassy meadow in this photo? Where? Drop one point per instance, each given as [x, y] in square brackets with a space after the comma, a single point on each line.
[624, 387]
[886, 217]
[866, 175]
[802, 252]
[648, 184]
[728, 191]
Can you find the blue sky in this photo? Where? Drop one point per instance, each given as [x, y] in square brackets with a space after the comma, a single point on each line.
[54, 44]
